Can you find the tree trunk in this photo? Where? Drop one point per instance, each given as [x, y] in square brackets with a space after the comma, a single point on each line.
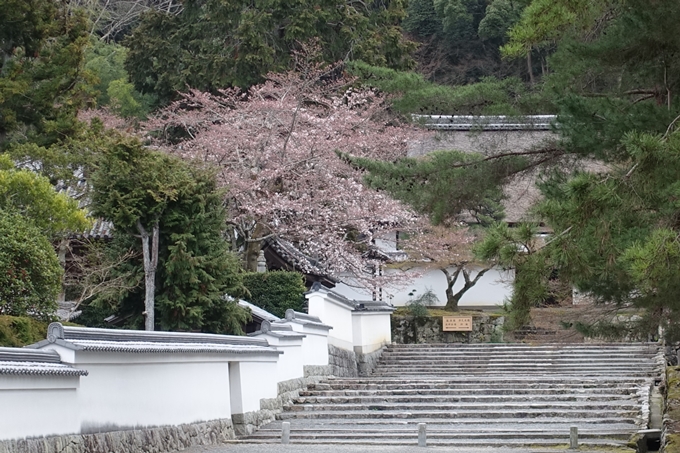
[150, 263]
[530, 67]
[452, 299]
[63, 247]
[253, 247]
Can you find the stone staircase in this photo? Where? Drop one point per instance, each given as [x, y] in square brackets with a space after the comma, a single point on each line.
[482, 395]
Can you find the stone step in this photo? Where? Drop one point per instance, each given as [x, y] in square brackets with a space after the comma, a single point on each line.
[488, 442]
[480, 396]
[514, 359]
[406, 413]
[437, 372]
[500, 346]
[432, 434]
[472, 391]
[488, 399]
[555, 365]
[462, 424]
[492, 405]
[470, 385]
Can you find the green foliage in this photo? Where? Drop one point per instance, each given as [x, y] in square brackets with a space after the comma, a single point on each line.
[196, 271]
[213, 44]
[444, 184]
[42, 82]
[460, 39]
[417, 309]
[545, 21]
[106, 61]
[417, 306]
[18, 331]
[30, 274]
[620, 230]
[515, 248]
[33, 197]
[413, 94]
[275, 291]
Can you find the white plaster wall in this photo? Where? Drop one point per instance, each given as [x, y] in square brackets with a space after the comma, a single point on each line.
[491, 290]
[32, 406]
[258, 380]
[291, 363]
[333, 313]
[124, 391]
[372, 330]
[314, 345]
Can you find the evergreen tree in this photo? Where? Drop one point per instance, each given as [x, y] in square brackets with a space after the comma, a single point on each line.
[178, 213]
[213, 44]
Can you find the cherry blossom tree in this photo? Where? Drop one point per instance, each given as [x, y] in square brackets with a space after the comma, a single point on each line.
[276, 147]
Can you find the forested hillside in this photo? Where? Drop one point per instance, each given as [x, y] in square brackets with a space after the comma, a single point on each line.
[263, 119]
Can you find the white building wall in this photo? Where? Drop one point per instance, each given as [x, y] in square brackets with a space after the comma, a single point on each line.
[372, 330]
[258, 380]
[125, 391]
[291, 363]
[32, 406]
[315, 343]
[334, 312]
[490, 291]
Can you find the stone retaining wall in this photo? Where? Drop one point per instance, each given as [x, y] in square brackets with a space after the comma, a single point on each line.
[246, 424]
[151, 440]
[343, 363]
[486, 328]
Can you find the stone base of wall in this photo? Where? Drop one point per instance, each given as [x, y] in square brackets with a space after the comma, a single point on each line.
[366, 363]
[486, 328]
[246, 424]
[151, 440]
[343, 363]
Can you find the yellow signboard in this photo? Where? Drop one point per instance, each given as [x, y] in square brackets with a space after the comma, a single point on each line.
[457, 323]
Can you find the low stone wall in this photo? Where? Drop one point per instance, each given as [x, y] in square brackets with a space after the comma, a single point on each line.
[151, 440]
[486, 328]
[246, 424]
[366, 363]
[670, 440]
[343, 363]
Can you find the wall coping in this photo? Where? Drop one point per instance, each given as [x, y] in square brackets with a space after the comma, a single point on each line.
[22, 361]
[140, 341]
[487, 122]
[305, 319]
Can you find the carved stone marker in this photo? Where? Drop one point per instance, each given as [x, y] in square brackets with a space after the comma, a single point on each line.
[457, 323]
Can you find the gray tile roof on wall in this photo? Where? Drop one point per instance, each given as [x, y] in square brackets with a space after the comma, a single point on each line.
[23, 361]
[140, 341]
[278, 329]
[487, 123]
[258, 312]
[305, 319]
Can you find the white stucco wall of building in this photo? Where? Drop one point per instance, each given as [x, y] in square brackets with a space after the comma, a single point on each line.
[125, 391]
[257, 380]
[290, 364]
[336, 312]
[315, 343]
[32, 406]
[490, 291]
[371, 330]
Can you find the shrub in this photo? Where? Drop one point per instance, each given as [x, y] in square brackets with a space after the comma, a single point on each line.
[275, 291]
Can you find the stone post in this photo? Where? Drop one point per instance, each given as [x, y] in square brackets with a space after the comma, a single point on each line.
[422, 435]
[285, 432]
